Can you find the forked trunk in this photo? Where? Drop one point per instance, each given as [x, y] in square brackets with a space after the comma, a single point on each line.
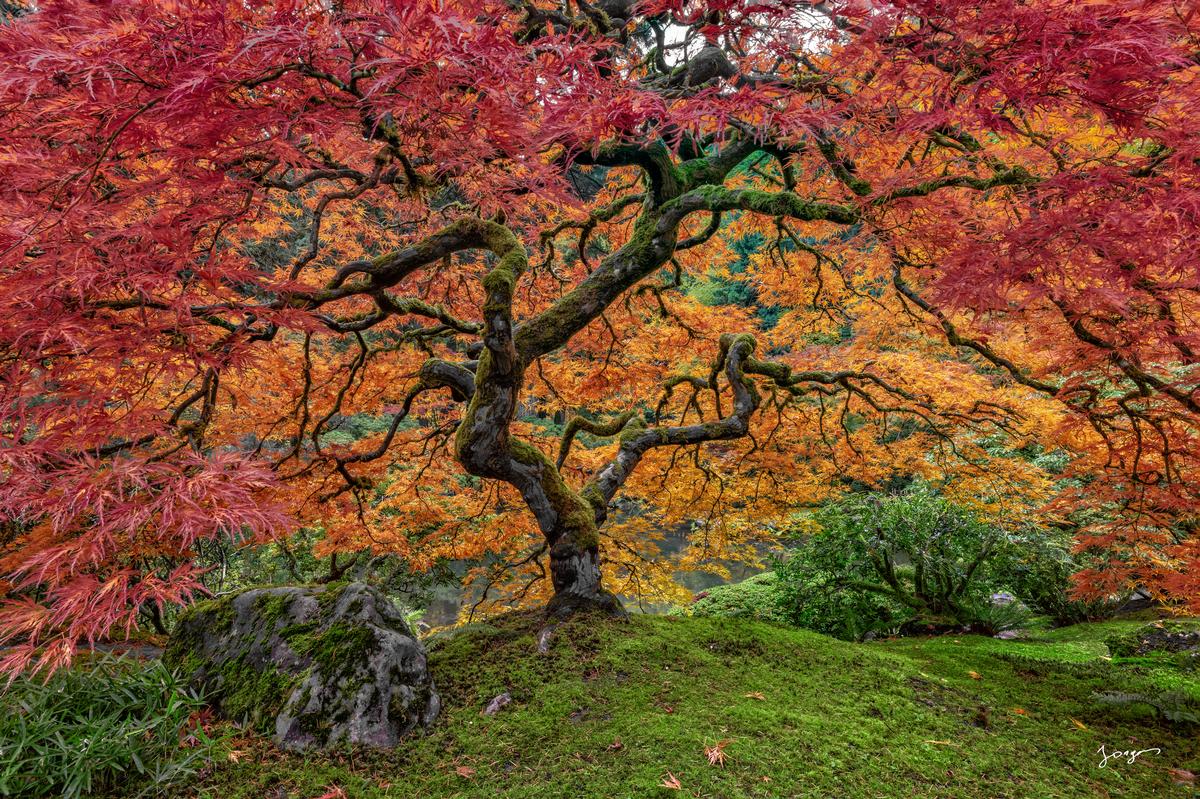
[575, 573]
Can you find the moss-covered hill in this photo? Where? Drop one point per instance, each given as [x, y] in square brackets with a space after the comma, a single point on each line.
[618, 709]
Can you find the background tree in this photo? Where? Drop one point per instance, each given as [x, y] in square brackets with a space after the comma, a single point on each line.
[229, 229]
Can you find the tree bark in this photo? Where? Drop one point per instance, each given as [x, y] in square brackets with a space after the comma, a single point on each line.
[575, 572]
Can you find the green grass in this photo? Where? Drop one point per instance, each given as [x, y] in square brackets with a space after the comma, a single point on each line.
[614, 707]
[105, 723]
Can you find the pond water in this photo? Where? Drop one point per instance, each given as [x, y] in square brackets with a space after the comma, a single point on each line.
[449, 600]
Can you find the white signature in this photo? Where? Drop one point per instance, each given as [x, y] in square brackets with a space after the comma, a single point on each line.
[1128, 755]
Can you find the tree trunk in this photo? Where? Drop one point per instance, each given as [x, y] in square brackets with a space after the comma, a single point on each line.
[575, 572]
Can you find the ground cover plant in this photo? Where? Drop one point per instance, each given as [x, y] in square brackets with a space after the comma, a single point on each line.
[113, 723]
[625, 709]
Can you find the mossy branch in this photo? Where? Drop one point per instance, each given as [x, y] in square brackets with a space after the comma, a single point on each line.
[602, 429]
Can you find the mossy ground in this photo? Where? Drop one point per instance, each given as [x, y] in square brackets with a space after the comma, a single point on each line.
[615, 707]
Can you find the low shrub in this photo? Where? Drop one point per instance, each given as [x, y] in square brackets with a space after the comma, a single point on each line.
[99, 725]
[883, 561]
[817, 600]
[1040, 576]
[757, 597]
[991, 618]
[1173, 706]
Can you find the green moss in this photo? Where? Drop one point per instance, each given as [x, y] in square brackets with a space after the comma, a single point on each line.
[576, 515]
[330, 595]
[212, 616]
[756, 598]
[835, 719]
[219, 612]
[699, 171]
[272, 607]
[337, 649]
[256, 695]
[773, 203]
[636, 426]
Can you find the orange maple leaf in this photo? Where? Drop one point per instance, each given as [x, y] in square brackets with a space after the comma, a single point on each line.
[716, 753]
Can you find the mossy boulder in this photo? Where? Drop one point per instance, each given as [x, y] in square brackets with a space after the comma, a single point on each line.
[320, 664]
[1157, 637]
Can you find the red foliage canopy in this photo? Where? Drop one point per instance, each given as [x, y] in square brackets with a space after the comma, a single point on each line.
[1024, 176]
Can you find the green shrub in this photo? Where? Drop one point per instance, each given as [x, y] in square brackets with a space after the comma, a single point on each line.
[1173, 706]
[990, 618]
[91, 728]
[755, 598]
[814, 599]
[880, 561]
[1039, 574]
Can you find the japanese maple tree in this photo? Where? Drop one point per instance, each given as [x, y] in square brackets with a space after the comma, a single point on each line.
[227, 227]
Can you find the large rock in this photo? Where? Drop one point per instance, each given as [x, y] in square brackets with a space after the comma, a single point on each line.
[322, 664]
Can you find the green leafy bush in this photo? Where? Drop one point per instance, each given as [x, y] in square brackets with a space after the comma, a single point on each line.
[814, 599]
[94, 727]
[990, 618]
[882, 561]
[1039, 574]
[757, 597]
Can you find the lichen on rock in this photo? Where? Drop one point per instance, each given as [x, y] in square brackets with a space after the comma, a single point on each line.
[321, 664]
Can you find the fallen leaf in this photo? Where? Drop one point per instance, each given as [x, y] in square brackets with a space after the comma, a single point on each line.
[716, 753]
[756, 695]
[672, 782]
[333, 793]
[975, 675]
[1183, 777]
[235, 755]
[616, 745]
[1079, 724]
[466, 772]
[1020, 711]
